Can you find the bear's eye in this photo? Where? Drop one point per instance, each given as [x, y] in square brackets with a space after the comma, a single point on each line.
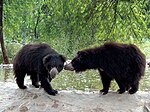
[60, 66]
[78, 60]
[49, 66]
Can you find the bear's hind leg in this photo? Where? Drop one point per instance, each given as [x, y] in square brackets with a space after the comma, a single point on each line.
[35, 79]
[20, 79]
[127, 87]
[122, 87]
[106, 80]
[134, 88]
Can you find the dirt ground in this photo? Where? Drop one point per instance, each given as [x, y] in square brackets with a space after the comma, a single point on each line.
[12, 99]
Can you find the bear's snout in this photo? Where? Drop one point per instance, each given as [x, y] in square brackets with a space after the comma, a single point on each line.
[68, 66]
[53, 72]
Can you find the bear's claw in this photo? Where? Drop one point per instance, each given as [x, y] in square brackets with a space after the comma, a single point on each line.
[103, 92]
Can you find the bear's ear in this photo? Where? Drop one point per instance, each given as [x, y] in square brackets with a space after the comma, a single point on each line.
[46, 58]
[63, 58]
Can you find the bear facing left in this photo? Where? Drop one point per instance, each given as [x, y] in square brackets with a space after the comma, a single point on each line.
[41, 62]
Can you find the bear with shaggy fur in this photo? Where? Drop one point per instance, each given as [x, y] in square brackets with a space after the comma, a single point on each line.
[124, 63]
[41, 63]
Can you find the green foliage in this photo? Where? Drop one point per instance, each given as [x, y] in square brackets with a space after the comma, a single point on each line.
[82, 81]
[72, 25]
[146, 48]
[12, 48]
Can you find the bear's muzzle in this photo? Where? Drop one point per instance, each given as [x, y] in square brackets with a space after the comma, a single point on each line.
[53, 72]
[68, 66]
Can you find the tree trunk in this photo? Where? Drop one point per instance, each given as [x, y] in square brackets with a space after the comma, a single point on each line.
[5, 57]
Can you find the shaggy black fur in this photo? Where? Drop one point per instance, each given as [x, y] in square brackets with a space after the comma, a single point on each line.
[123, 62]
[37, 60]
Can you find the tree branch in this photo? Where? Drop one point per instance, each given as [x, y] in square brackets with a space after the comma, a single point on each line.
[5, 57]
[36, 25]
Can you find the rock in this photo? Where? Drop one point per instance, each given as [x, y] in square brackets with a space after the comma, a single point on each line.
[33, 100]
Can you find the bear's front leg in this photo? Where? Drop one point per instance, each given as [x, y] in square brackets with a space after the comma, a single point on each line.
[105, 81]
[47, 86]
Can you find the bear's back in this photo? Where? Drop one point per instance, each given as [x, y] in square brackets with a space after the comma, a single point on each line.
[31, 55]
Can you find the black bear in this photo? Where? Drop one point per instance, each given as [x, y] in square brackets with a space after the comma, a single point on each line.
[41, 63]
[124, 63]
